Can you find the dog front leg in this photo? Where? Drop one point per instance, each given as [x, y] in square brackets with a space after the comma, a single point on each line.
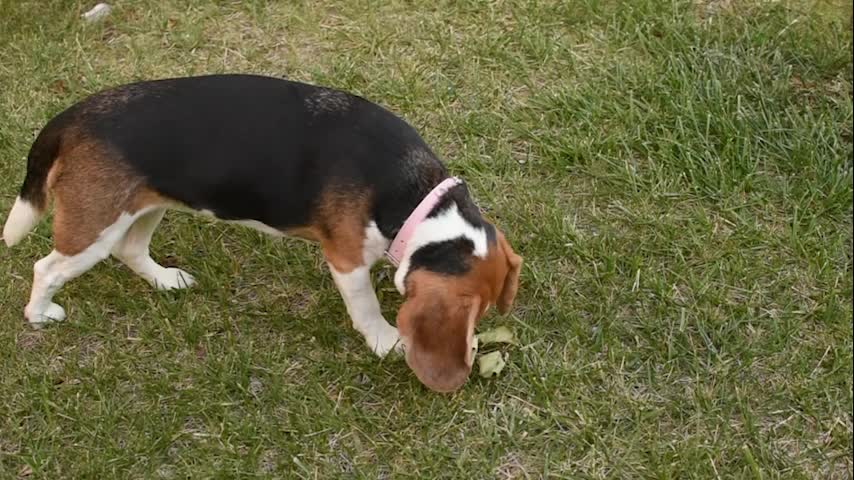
[364, 309]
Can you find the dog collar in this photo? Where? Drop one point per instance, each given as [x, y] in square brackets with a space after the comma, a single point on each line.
[397, 248]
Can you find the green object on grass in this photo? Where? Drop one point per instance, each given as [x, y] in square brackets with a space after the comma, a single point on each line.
[491, 364]
[498, 335]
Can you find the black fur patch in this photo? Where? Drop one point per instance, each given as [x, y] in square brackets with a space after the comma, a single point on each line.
[259, 148]
[449, 257]
[453, 257]
[256, 148]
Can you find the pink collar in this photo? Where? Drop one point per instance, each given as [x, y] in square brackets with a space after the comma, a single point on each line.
[397, 248]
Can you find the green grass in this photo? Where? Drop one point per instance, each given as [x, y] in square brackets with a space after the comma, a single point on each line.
[677, 175]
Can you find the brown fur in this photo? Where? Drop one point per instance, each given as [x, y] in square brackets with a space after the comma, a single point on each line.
[340, 219]
[90, 190]
[510, 283]
[436, 323]
[438, 318]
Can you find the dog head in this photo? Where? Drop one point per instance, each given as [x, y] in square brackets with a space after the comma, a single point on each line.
[438, 318]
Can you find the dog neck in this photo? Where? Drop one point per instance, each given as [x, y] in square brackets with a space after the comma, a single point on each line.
[451, 232]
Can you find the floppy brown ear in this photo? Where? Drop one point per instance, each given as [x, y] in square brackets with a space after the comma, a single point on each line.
[511, 280]
[438, 331]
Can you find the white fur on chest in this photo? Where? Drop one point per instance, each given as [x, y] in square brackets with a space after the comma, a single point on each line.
[375, 244]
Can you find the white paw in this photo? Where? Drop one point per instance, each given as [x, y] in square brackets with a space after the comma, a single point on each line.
[173, 279]
[383, 339]
[53, 313]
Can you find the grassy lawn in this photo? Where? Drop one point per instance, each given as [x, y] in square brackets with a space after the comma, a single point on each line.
[677, 175]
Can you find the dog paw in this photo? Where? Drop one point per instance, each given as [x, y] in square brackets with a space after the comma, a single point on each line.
[173, 279]
[53, 313]
[384, 339]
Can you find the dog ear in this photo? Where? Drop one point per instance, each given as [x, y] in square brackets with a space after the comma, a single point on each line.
[438, 328]
[511, 279]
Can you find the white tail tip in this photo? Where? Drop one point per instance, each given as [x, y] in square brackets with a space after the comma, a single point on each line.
[22, 219]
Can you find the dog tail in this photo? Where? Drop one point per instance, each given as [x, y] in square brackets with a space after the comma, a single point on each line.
[23, 218]
[32, 202]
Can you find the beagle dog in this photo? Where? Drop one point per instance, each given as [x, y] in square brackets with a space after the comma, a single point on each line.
[285, 158]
